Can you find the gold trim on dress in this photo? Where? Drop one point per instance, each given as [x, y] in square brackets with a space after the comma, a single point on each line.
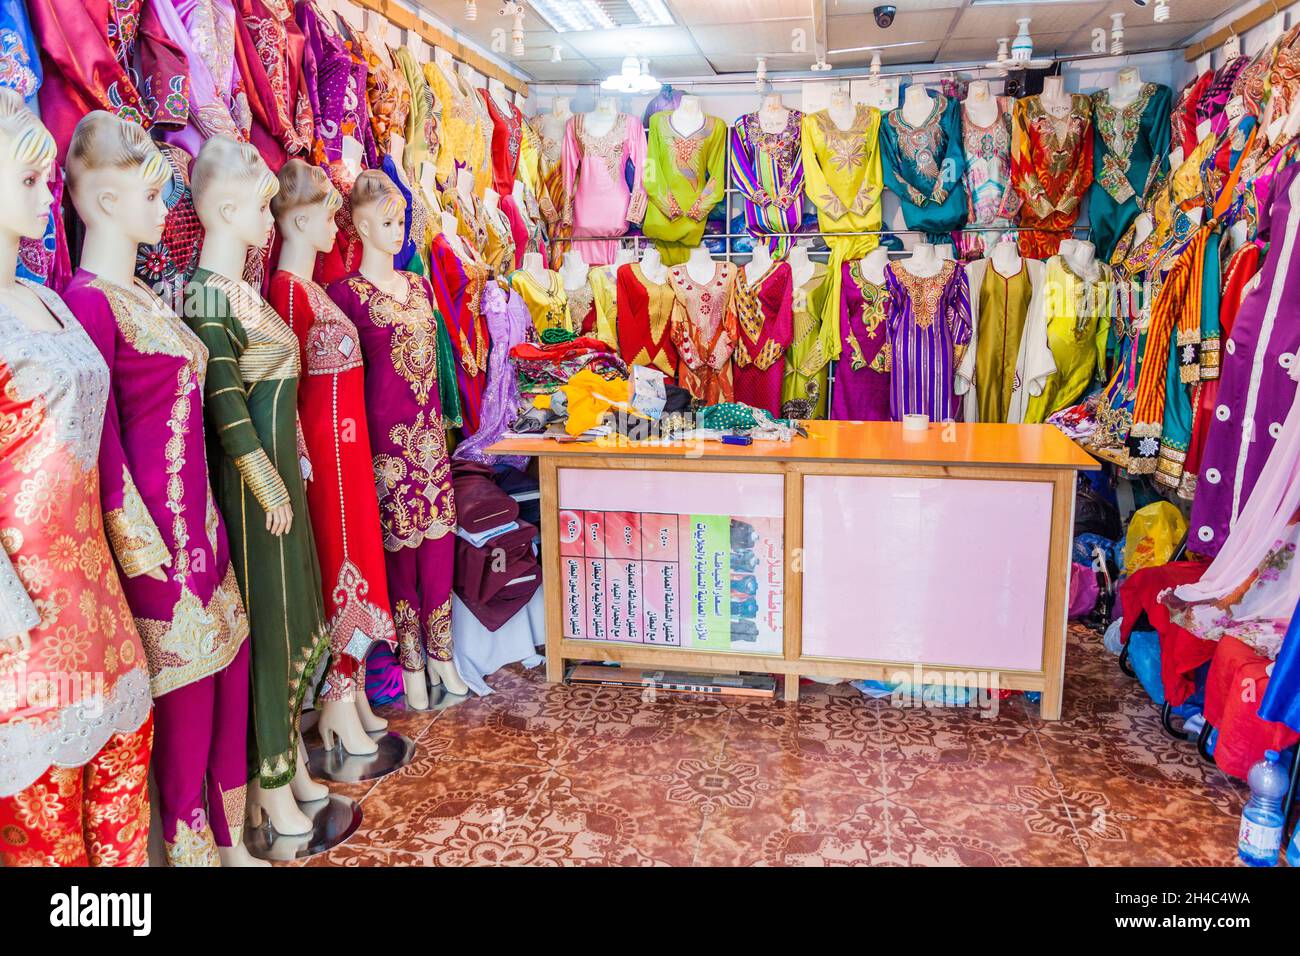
[192, 847]
[131, 531]
[262, 479]
[198, 640]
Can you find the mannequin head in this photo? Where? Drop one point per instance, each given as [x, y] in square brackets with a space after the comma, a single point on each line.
[378, 212]
[233, 189]
[304, 207]
[27, 153]
[116, 177]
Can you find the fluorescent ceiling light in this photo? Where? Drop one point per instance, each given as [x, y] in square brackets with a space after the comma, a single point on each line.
[576, 15]
[1020, 3]
[877, 46]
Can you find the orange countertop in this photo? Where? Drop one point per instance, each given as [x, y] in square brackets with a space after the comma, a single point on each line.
[1020, 446]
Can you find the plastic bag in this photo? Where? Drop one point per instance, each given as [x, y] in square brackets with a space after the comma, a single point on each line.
[1154, 533]
[1083, 590]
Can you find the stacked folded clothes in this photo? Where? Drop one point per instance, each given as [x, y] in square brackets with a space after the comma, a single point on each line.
[497, 568]
[542, 368]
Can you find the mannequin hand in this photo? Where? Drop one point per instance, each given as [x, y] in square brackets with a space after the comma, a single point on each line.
[280, 520]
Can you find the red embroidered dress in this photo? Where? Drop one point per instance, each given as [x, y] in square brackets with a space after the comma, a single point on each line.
[645, 311]
[1051, 169]
[765, 334]
[704, 329]
[269, 53]
[341, 495]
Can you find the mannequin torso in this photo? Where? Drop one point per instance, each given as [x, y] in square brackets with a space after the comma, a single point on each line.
[924, 262]
[1055, 100]
[981, 104]
[601, 120]
[917, 105]
[772, 115]
[688, 118]
[1127, 87]
[700, 266]
[1006, 260]
[842, 111]
[801, 267]
[573, 271]
[873, 265]
[652, 266]
[760, 262]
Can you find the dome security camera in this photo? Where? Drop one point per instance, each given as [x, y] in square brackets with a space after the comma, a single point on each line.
[885, 15]
[1141, 3]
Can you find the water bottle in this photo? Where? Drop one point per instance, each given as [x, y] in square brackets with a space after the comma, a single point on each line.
[1260, 837]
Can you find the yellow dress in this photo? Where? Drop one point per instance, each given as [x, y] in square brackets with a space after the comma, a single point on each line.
[843, 178]
[603, 298]
[685, 177]
[421, 122]
[499, 251]
[462, 130]
[548, 305]
[1078, 322]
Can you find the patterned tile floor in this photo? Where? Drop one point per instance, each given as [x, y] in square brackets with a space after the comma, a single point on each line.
[552, 775]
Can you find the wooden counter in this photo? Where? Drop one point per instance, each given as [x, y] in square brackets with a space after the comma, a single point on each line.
[864, 552]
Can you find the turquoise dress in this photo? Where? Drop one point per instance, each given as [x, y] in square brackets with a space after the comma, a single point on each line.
[924, 165]
[1130, 151]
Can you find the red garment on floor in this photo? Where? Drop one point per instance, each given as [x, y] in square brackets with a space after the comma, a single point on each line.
[1181, 652]
[1235, 686]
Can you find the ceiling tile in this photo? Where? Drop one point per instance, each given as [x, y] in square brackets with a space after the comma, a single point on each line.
[922, 53]
[661, 66]
[860, 30]
[697, 12]
[758, 39]
[639, 41]
[1000, 21]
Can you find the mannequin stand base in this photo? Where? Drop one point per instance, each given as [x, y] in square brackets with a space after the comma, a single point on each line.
[439, 699]
[333, 819]
[395, 751]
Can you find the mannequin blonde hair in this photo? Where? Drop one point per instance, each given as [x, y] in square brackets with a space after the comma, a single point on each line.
[374, 186]
[302, 184]
[29, 141]
[223, 157]
[104, 141]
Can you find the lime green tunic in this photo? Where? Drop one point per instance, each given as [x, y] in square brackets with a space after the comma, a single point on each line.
[685, 177]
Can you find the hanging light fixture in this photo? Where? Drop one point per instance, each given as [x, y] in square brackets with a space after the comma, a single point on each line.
[1161, 12]
[555, 54]
[633, 77]
[1000, 62]
[1116, 34]
[875, 63]
[471, 10]
[760, 74]
[517, 33]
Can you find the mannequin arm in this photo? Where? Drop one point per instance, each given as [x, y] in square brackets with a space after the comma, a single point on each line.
[226, 404]
[570, 160]
[959, 320]
[1023, 175]
[744, 172]
[636, 152]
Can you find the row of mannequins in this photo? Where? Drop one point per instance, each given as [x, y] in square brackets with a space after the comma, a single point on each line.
[989, 164]
[216, 505]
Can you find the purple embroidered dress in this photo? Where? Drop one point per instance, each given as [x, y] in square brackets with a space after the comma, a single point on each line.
[929, 327]
[508, 324]
[204, 30]
[417, 510]
[861, 391]
[159, 513]
[768, 170]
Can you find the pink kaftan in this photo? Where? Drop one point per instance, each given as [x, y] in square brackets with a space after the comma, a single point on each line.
[597, 201]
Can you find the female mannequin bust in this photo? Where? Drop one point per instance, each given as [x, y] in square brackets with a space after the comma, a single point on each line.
[552, 123]
[57, 386]
[601, 120]
[688, 117]
[772, 115]
[1080, 255]
[443, 59]
[841, 110]
[465, 185]
[1006, 259]
[199, 671]
[623, 256]
[801, 267]
[700, 265]
[759, 263]
[917, 104]
[1127, 87]
[925, 260]
[981, 104]
[341, 496]
[1055, 100]
[573, 271]
[652, 266]
[252, 408]
[532, 264]
[873, 265]
[394, 315]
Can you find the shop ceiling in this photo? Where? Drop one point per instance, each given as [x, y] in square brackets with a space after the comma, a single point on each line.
[717, 37]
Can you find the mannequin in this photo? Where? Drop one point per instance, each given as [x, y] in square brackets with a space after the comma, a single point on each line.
[623, 256]
[573, 271]
[552, 124]
[1127, 87]
[874, 262]
[1006, 258]
[924, 262]
[841, 110]
[700, 265]
[601, 120]
[402, 400]
[1055, 100]
[498, 92]
[802, 268]
[981, 104]
[881, 93]
[1080, 255]
[773, 115]
[443, 59]
[652, 266]
[41, 342]
[465, 186]
[689, 117]
[759, 263]
[449, 226]
[257, 483]
[917, 104]
[200, 679]
[331, 408]
[532, 264]
[1143, 226]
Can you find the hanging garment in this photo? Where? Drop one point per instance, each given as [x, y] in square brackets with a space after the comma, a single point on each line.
[58, 586]
[204, 31]
[705, 326]
[537, 220]
[1009, 359]
[251, 401]
[335, 84]
[508, 323]
[507, 137]
[166, 265]
[685, 177]
[862, 374]
[462, 133]
[269, 54]
[20, 60]
[551, 196]
[764, 334]
[1051, 169]
[645, 311]
[499, 252]
[109, 55]
[843, 178]
[341, 495]
[1183, 114]
[1255, 388]
[593, 308]
[767, 168]
[387, 94]
[421, 133]
[458, 289]
[483, 172]
[471, 220]
[547, 304]
[924, 165]
[1131, 145]
[928, 321]
[417, 508]
[991, 203]
[1077, 311]
[803, 388]
[1251, 587]
[365, 134]
[1281, 701]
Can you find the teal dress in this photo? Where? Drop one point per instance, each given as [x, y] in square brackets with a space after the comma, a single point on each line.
[1130, 152]
[924, 166]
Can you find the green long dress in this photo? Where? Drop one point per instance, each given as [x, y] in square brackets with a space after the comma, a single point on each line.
[251, 402]
[803, 390]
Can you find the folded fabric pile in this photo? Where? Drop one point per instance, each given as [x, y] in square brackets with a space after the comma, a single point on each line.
[497, 569]
[544, 368]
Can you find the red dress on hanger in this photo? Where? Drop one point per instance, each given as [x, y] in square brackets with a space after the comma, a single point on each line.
[765, 334]
[458, 287]
[645, 312]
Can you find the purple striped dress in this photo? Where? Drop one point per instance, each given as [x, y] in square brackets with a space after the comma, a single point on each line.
[929, 327]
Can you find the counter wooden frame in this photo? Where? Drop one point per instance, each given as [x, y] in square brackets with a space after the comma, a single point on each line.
[996, 459]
